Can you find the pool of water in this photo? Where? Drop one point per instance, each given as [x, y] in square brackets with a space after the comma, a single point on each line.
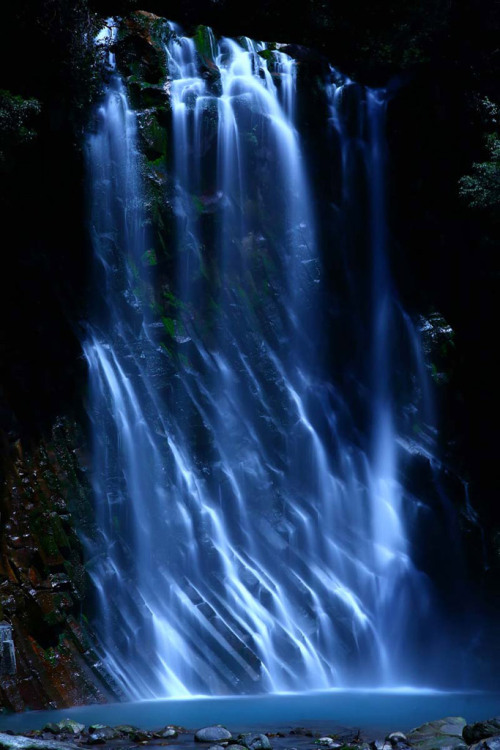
[372, 711]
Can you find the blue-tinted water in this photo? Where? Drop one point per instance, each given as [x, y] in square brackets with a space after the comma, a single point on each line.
[255, 530]
[370, 710]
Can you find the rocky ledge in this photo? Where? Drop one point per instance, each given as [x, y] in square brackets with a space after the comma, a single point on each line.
[450, 733]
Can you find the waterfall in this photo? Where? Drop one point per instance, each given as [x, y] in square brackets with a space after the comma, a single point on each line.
[252, 536]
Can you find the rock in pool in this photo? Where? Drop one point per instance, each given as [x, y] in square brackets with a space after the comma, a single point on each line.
[212, 734]
[490, 743]
[100, 733]
[442, 733]
[255, 741]
[474, 732]
[167, 733]
[70, 727]
[10, 742]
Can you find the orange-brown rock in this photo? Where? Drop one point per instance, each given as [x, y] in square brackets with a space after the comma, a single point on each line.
[43, 582]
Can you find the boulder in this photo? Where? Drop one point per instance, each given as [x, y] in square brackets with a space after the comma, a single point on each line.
[126, 729]
[442, 733]
[480, 730]
[397, 738]
[100, 733]
[212, 734]
[141, 736]
[490, 743]
[139, 49]
[255, 741]
[69, 726]
[12, 742]
[167, 733]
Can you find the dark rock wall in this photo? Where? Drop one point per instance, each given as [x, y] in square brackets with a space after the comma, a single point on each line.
[43, 581]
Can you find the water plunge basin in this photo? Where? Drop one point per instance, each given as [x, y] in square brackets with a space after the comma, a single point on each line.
[373, 711]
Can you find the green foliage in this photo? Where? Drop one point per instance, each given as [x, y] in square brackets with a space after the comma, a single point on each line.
[480, 190]
[149, 258]
[60, 36]
[17, 121]
[16, 115]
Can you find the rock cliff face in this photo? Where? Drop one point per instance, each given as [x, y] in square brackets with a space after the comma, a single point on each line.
[43, 582]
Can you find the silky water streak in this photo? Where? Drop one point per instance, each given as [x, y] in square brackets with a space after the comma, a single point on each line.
[248, 539]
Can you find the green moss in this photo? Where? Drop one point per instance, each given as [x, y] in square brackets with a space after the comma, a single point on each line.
[157, 164]
[197, 203]
[52, 618]
[133, 268]
[251, 138]
[203, 40]
[45, 537]
[171, 299]
[51, 656]
[149, 258]
[165, 349]
[169, 325]
[434, 372]
[153, 137]
[267, 54]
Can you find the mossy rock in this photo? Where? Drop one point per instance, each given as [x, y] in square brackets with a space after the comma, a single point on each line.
[442, 733]
[139, 50]
[207, 51]
[205, 47]
[144, 95]
[152, 135]
[481, 730]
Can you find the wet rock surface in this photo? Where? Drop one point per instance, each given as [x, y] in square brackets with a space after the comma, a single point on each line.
[255, 741]
[443, 733]
[8, 742]
[43, 581]
[212, 734]
[491, 743]
[482, 729]
[448, 732]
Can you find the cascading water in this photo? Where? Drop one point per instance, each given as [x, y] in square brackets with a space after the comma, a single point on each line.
[250, 539]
